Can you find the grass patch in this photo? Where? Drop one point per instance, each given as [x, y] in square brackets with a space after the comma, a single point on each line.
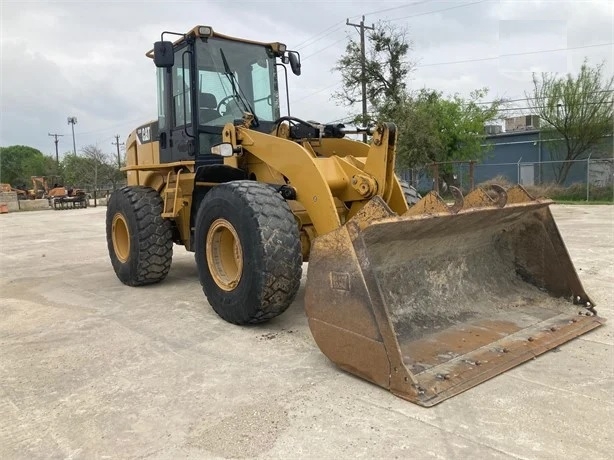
[583, 202]
[577, 192]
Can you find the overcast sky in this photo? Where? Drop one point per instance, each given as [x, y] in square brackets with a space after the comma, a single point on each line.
[86, 58]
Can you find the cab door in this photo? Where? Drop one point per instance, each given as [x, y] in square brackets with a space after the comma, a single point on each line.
[176, 117]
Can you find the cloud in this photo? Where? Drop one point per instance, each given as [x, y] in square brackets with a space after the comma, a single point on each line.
[86, 58]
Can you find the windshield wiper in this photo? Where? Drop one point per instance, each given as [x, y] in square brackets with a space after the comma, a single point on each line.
[236, 89]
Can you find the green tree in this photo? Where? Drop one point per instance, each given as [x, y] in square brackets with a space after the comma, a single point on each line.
[433, 128]
[18, 163]
[576, 113]
[77, 170]
[111, 174]
[92, 168]
[386, 69]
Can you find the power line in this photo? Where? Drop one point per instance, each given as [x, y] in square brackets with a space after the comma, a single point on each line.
[322, 49]
[112, 126]
[391, 9]
[316, 92]
[510, 109]
[478, 103]
[437, 11]
[303, 44]
[513, 54]
[448, 62]
[535, 98]
[321, 37]
[333, 28]
[389, 20]
[465, 61]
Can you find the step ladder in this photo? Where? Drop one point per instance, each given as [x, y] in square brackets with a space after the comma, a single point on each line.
[172, 195]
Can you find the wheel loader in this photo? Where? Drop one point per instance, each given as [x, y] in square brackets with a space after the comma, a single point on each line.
[423, 297]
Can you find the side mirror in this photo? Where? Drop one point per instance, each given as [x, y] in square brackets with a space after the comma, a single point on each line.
[295, 62]
[225, 149]
[164, 56]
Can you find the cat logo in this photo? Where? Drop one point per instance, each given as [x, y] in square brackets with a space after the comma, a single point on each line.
[144, 134]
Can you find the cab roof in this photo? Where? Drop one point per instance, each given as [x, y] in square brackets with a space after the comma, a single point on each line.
[200, 31]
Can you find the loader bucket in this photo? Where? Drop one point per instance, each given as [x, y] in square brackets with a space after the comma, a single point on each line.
[434, 302]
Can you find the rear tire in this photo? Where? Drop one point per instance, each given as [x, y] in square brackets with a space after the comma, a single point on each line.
[247, 251]
[139, 240]
[411, 194]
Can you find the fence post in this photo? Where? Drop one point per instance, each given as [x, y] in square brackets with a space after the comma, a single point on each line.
[518, 173]
[539, 157]
[588, 176]
[471, 175]
[436, 177]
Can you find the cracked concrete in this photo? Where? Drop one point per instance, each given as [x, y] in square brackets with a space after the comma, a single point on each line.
[90, 368]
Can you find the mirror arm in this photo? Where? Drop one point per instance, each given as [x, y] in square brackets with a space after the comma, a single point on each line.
[171, 33]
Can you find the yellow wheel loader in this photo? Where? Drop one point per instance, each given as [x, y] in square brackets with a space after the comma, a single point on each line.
[419, 296]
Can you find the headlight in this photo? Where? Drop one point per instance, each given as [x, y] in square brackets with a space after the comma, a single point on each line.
[205, 31]
[224, 149]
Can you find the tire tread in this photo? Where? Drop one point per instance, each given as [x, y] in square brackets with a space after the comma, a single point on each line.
[282, 258]
[411, 194]
[154, 235]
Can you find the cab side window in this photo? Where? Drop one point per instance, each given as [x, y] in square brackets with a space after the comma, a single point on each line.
[161, 99]
[181, 90]
[261, 86]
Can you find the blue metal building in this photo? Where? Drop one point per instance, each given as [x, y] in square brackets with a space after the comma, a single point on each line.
[520, 157]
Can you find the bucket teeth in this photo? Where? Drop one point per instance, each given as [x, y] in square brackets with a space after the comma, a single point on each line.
[431, 203]
[486, 196]
[459, 201]
[481, 197]
[518, 194]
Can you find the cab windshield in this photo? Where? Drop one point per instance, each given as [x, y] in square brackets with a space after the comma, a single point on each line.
[253, 74]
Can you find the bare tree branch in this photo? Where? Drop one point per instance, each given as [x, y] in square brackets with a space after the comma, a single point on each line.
[577, 112]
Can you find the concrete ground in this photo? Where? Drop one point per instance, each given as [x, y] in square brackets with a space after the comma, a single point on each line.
[90, 368]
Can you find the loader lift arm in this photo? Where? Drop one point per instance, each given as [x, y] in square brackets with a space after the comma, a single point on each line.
[319, 179]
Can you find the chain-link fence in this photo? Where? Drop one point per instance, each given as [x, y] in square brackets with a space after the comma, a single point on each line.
[589, 179]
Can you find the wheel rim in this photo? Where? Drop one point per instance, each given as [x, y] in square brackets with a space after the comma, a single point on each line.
[224, 254]
[121, 237]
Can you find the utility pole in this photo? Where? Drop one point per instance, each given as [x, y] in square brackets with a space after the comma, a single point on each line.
[117, 144]
[362, 65]
[73, 121]
[56, 140]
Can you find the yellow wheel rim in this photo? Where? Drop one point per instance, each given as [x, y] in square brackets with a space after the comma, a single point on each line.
[121, 237]
[224, 254]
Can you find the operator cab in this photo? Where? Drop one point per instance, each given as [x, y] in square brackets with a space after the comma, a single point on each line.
[206, 80]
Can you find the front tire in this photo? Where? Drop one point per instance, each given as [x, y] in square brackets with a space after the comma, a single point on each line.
[247, 251]
[139, 240]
